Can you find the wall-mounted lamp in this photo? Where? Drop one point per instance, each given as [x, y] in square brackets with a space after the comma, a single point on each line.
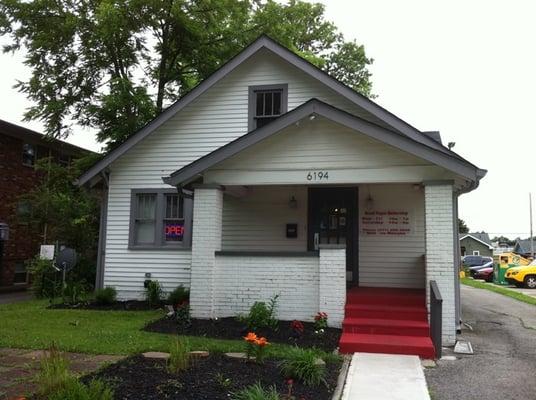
[312, 116]
[293, 203]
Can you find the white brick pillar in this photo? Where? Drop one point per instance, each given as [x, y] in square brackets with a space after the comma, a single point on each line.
[439, 214]
[332, 283]
[206, 239]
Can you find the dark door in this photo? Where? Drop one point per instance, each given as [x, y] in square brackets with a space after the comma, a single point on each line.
[333, 219]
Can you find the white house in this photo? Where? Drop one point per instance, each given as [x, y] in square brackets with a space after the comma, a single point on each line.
[271, 177]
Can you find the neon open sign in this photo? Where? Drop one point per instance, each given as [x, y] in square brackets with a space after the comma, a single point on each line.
[174, 231]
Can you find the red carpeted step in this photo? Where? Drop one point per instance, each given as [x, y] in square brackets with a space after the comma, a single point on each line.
[386, 326]
[400, 297]
[389, 344]
[382, 311]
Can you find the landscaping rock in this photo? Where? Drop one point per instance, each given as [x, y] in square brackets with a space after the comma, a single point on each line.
[428, 363]
[319, 361]
[156, 355]
[199, 353]
[241, 356]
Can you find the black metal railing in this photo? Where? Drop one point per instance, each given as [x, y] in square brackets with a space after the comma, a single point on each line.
[436, 317]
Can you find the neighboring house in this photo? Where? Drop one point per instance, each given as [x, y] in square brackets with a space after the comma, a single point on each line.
[271, 177]
[501, 247]
[476, 244]
[20, 148]
[523, 247]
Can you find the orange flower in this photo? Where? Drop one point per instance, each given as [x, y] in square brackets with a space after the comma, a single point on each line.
[261, 342]
[250, 338]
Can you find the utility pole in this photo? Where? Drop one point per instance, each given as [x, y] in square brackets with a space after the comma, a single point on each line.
[531, 238]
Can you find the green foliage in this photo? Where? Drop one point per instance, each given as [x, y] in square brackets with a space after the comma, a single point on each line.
[305, 366]
[46, 282]
[224, 382]
[178, 296]
[75, 390]
[74, 292]
[179, 356]
[112, 66]
[54, 373]
[500, 290]
[262, 315]
[256, 392]
[106, 296]
[153, 293]
[182, 316]
[462, 226]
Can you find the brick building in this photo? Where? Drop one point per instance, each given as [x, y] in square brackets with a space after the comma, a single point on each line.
[20, 148]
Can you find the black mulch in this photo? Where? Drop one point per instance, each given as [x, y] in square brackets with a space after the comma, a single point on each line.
[231, 328]
[212, 378]
[129, 305]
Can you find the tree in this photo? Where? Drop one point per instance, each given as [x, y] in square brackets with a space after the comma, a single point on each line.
[462, 227]
[112, 65]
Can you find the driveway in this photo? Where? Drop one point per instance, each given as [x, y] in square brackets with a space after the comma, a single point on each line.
[504, 341]
[14, 297]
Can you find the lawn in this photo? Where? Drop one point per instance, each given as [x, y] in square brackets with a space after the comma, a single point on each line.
[498, 289]
[31, 325]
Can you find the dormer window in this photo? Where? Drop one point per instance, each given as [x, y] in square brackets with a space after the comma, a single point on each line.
[266, 103]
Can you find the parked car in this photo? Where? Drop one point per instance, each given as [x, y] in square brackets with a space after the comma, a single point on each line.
[483, 273]
[475, 268]
[473, 261]
[522, 276]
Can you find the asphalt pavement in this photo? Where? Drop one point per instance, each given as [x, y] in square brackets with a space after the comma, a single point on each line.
[503, 366]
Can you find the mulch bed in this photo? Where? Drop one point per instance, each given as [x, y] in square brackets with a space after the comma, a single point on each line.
[129, 305]
[231, 328]
[213, 378]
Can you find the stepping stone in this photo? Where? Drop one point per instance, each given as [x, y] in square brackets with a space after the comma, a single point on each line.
[36, 355]
[240, 356]
[158, 355]
[199, 353]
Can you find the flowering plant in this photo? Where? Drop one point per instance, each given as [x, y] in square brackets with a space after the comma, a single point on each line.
[297, 328]
[255, 346]
[321, 321]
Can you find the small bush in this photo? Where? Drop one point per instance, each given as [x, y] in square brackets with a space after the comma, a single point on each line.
[54, 373]
[304, 366]
[74, 390]
[46, 281]
[179, 356]
[178, 296]
[74, 292]
[262, 316]
[153, 293]
[257, 392]
[106, 296]
[182, 316]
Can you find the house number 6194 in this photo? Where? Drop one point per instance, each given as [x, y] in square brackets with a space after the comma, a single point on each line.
[317, 176]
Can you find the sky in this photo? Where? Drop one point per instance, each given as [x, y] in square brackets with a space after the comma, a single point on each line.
[464, 68]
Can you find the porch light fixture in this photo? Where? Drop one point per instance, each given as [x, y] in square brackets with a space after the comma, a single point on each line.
[293, 203]
[312, 117]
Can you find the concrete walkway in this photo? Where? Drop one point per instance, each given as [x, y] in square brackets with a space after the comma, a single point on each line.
[385, 377]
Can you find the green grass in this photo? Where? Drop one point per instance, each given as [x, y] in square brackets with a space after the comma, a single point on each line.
[30, 325]
[499, 289]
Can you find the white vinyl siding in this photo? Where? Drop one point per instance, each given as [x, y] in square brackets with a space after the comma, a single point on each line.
[393, 261]
[257, 221]
[212, 120]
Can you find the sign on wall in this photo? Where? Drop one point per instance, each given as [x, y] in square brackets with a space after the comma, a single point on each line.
[386, 222]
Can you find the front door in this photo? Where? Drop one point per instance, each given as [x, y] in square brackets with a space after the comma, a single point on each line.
[333, 219]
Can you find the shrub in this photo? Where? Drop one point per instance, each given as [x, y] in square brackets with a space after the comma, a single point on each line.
[106, 296]
[321, 321]
[182, 315]
[256, 392]
[74, 390]
[74, 292]
[153, 293]
[297, 328]
[262, 316]
[46, 282]
[179, 356]
[54, 372]
[305, 366]
[178, 296]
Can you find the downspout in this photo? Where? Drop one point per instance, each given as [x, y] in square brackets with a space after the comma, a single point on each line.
[101, 250]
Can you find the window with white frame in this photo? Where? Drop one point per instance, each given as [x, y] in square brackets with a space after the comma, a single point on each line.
[160, 218]
[476, 252]
[266, 103]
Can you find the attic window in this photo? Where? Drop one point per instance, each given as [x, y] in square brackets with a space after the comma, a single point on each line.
[266, 103]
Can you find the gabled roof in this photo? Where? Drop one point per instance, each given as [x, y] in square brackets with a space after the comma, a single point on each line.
[479, 237]
[264, 42]
[522, 246]
[315, 107]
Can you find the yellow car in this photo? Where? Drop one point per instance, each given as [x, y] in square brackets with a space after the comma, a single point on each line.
[523, 275]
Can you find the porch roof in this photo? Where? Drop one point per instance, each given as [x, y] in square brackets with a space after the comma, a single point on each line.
[314, 107]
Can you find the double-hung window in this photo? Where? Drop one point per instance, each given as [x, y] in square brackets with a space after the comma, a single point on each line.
[160, 218]
[266, 103]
